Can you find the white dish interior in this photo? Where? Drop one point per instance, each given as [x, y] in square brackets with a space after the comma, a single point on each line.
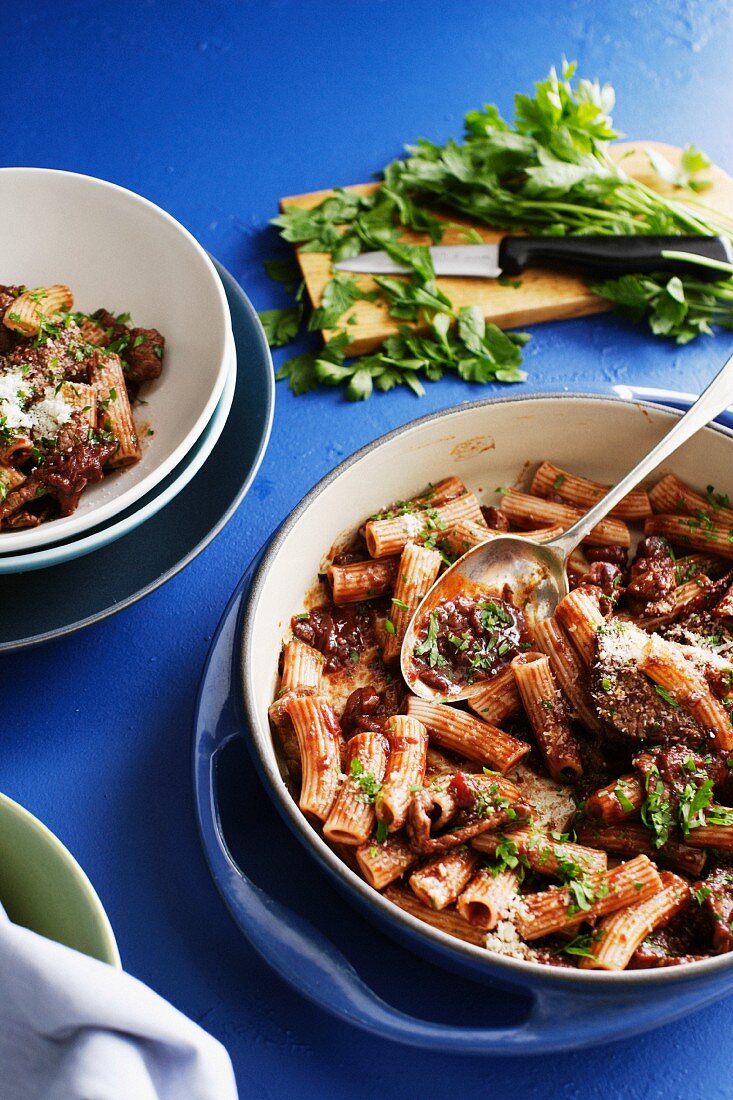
[489, 445]
[117, 250]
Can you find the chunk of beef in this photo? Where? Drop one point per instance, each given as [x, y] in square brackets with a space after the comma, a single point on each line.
[681, 770]
[495, 518]
[8, 338]
[627, 699]
[27, 493]
[615, 555]
[368, 708]
[718, 906]
[652, 577]
[141, 349]
[114, 331]
[65, 474]
[339, 633]
[684, 938]
[64, 354]
[143, 357]
[605, 575]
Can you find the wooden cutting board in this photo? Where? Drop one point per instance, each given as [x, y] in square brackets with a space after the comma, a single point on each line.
[542, 295]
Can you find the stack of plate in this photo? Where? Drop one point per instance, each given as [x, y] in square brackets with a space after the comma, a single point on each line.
[208, 423]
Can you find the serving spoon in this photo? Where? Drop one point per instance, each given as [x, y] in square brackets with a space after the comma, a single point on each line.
[536, 572]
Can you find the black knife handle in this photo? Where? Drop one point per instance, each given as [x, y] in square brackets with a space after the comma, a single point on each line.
[609, 257]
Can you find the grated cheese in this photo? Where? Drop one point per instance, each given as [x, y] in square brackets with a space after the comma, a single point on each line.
[505, 940]
[41, 419]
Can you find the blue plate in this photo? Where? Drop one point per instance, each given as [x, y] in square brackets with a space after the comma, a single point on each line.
[321, 945]
[117, 575]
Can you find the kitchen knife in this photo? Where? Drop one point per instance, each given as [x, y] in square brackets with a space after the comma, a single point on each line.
[602, 257]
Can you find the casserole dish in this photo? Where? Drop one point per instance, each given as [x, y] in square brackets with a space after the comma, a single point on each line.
[487, 444]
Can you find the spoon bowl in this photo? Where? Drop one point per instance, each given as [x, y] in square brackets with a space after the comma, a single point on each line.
[532, 575]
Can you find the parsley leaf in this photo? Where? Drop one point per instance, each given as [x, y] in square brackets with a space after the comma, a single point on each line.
[280, 325]
[692, 162]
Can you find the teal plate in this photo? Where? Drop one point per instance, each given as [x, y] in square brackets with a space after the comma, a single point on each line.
[122, 572]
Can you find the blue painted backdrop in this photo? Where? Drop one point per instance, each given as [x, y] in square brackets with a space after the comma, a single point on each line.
[214, 110]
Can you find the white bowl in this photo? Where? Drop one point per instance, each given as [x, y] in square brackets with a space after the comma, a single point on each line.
[117, 250]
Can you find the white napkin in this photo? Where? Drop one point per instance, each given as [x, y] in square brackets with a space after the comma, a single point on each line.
[72, 1028]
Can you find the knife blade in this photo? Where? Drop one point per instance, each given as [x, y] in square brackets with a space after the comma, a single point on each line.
[602, 257]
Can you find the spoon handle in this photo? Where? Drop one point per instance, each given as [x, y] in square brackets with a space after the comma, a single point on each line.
[709, 404]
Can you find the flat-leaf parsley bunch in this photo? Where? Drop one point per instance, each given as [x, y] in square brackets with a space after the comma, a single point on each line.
[548, 172]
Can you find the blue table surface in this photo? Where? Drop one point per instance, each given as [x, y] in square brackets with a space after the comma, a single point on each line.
[213, 111]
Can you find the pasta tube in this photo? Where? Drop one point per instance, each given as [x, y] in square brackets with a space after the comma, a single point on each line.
[381, 864]
[439, 881]
[440, 493]
[525, 510]
[115, 414]
[621, 799]
[633, 838]
[408, 744]
[458, 732]
[83, 398]
[580, 618]
[568, 670]
[387, 537]
[302, 667]
[546, 711]
[488, 898]
[693, 532]
[666, 664]
[352, 817]
[558, 908]
[584, 493]
[445, 920]
[319, 741]
[31, 308]
[496, 699]
[541, 852]
[672, 495]
[416, 574]
[361, 580]
[617, 936]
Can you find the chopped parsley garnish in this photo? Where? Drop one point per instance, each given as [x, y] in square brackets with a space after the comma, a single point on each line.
[581, 945]
[669, 699]
[369, 785]
[693, 801]
[623, 800]
[656, 810]
[429, 646]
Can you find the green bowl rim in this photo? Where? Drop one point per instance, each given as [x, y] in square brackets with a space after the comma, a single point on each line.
[107, 936]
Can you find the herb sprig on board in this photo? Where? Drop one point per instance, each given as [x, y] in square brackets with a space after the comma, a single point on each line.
[549, 172]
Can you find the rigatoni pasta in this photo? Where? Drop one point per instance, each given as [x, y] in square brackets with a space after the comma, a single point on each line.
[563, 791]
[67, 385]
[405, 771]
